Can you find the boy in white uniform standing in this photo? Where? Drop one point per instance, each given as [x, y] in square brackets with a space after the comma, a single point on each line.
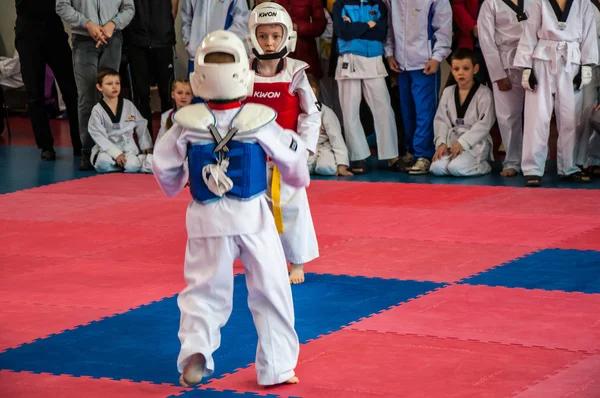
[557, 50]
[361, 27]
[419, 39]
[500, 25]
[221, 147]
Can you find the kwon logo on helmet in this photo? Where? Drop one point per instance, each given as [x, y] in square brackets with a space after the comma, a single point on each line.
[267, 14]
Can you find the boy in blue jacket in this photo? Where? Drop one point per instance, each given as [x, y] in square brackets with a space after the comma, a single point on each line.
[361, 28]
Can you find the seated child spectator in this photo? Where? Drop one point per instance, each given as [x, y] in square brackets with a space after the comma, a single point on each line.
[463, 121]
[112, 124]
[331, 157]
[181, 93]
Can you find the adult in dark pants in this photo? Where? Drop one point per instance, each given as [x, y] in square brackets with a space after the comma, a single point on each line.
[40, 39]
[97, 44]
[150, 38]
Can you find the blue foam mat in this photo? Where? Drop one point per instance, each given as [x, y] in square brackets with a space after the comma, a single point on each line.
[142, 344]
[550, 269]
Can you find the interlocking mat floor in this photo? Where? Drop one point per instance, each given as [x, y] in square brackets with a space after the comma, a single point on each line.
[421, 290]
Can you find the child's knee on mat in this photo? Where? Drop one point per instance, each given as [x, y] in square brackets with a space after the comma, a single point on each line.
[104, 163]
[133, 164]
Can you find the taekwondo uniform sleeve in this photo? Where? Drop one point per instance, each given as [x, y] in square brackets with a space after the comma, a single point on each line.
[287, 151]
[388, 47]
[589, 42]
[486, 26]
[442, 29]
[442, 123]
[529, 38]
[240, 16]
[141, 129]
[187, 14]
[334, 132]
[99, 134]
[480, 131]
[309, 121]
[169, 161]
[163, 125]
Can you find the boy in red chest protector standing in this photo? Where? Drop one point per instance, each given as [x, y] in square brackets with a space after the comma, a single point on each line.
[281, 84]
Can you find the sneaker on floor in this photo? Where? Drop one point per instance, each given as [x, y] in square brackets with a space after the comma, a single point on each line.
[407, 161]
[421, 167]
[85, 164]
[48, 154]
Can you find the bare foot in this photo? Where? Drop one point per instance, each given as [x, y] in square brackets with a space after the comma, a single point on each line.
[296, 274]
[193, 371]
[509, 173]
[292, 380]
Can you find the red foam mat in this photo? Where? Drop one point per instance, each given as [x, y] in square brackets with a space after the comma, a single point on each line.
[412, 259]
[578, 380]
[512, 316]
[22, 323]
[368, 364]
[73, 240]
[116, 285]
[588, 240]
[30, 205]
[414, 196]
[28, 385]
[576, 202]
[501, 229]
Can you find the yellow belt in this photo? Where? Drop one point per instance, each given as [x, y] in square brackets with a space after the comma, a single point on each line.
[276, 198]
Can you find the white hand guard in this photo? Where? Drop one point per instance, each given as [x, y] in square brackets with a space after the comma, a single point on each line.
[586, 76]
[528, 80]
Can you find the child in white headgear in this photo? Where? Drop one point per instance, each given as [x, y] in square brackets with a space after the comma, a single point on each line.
[221, 147]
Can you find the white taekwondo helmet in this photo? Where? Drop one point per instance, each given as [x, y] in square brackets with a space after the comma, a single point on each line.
[271, 14]
[222, 81]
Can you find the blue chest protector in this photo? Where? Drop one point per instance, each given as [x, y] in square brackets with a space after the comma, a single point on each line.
[247, 167]
[247, 170]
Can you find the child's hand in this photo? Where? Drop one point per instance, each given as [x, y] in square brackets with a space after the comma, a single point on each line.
[440, 152]
[147, 151]
[504, 84]
[345, 18]
[121, 160]
[456, 149]
[371, 24]
[597, 109]
[393, 64]
[342, 170]
[431, 67]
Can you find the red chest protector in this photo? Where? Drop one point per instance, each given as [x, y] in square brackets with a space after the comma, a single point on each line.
[275, 92]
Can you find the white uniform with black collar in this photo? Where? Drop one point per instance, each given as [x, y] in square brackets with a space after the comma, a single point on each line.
[500, 24]
[226, 229]
[470, 125]
[331, 149]
[554, 44]
[113, 135]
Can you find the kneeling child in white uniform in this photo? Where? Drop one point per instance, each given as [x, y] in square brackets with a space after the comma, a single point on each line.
[463, 122]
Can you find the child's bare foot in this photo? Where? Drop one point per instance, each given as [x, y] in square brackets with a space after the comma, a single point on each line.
[296, 274]
[193, 371]
[509, 173]
[292, 380]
